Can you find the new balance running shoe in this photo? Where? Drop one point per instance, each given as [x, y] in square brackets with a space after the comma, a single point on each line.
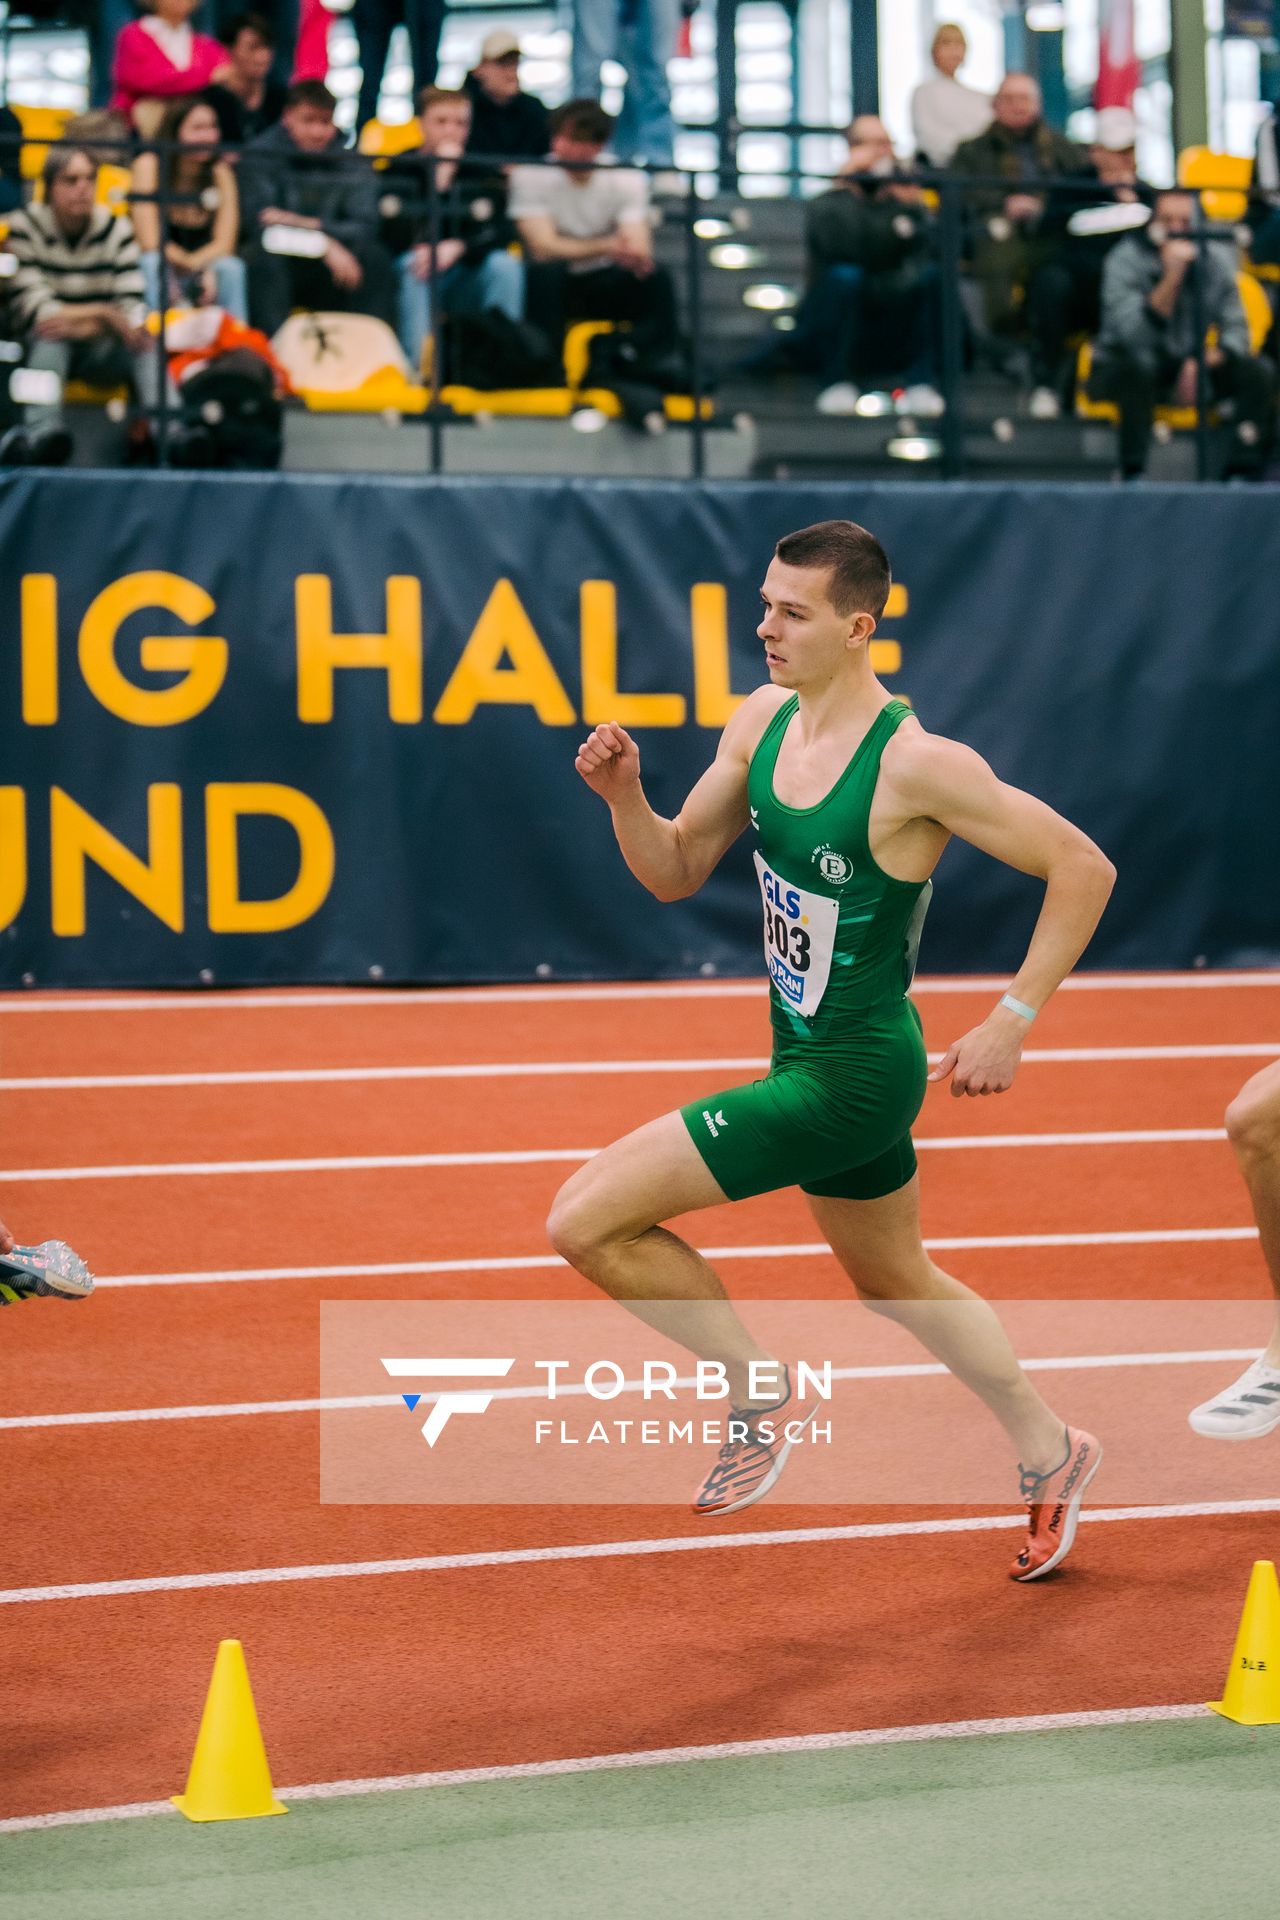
[755, 1455]
[51, 1270]
[1053, 1506]
[1246, 1410]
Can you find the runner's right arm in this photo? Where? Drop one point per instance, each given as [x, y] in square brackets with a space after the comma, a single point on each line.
[673, 858]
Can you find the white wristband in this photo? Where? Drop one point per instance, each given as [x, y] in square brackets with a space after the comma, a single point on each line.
[1018, 1006]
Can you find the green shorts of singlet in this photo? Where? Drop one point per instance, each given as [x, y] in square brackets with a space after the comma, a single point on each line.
[832, 1119]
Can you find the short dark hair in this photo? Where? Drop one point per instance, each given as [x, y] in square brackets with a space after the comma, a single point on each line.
[858, 565]
[248, 22]
[583, 120]
[310, 93]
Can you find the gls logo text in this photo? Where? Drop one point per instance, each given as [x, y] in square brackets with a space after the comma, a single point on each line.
[466, 1400]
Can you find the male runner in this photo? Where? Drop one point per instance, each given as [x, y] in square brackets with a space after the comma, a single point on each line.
[1251, 1407]
[852, 803]
[51, 1269]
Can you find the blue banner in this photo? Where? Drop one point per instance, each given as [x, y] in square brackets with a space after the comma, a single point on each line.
[275, 728]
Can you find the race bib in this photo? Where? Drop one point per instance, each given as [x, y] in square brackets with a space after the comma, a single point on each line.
[799, 939]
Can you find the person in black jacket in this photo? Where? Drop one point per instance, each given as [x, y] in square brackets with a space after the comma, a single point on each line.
[871, 267]
[249, 98]
[465, 226]
[298, 174]
[506, 122]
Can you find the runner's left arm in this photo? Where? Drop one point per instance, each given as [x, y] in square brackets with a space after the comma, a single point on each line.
[943, 781]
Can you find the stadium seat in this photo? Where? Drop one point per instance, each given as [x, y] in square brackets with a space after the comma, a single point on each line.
[113, 188]
[39, 125]
[1222, 180]
[384, 139]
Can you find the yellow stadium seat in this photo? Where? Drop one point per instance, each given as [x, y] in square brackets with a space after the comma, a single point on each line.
[383, 139]
[1222, 178]
[113, 188]
[532, 403]
[39, 125]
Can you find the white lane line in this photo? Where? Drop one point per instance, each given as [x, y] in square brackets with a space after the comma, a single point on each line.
[344, 1403]
[800, 1250]
[383, 1162]
[230, 999]
[305, 1076]
[608, 1550]
[569, 1069]
[651, 1757]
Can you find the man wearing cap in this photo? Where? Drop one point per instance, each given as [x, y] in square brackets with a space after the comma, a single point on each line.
[506, 122]
[375, 21]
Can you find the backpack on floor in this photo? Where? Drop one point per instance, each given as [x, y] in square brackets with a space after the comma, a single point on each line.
[230, 414]
[491, 351]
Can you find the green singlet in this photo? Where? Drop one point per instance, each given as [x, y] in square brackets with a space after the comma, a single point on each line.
[833, 1114]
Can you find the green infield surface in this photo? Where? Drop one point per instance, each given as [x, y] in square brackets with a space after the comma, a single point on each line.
[1150, 1816]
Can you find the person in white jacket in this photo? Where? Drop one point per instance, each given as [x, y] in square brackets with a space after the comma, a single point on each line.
[943, 110]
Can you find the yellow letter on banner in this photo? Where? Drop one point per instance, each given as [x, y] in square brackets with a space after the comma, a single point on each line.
[76, 837]
[321, 650]
[39, 649]
[478, 680]
[600, 697]
[203, 658]
[13, 853]
[713, 700]
[225, 802]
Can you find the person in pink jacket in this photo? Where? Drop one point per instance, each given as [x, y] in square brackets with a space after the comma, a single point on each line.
[161, 55]
[311, 61]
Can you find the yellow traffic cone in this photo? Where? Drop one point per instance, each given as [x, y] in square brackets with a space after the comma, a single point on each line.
[229, 1777]
[1252, 1691]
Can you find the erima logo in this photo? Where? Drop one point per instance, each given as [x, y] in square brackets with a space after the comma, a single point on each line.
[715, 1123]
[755, 819]
[473, 1400]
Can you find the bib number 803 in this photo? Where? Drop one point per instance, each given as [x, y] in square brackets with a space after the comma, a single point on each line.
[790, 942]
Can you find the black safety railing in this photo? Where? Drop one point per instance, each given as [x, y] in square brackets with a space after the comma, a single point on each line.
[946, 230]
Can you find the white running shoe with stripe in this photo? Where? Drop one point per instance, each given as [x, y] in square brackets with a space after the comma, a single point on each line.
[1249, 1409]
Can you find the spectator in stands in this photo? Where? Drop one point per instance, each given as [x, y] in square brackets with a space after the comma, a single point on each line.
[1006, 241]
[297, 174]
[943, 110]
[506, 122]
[587, 237]
[11, 194]
[201, 265]
[77, 299]
[1064, 291]
[375, 21]
[473, 270]
[1145, 353]
[159, 56]
[641, 36]
[1264, 212]
[870, 260]
[248, 99]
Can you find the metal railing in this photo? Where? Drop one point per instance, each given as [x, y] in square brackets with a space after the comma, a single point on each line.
[946, 233]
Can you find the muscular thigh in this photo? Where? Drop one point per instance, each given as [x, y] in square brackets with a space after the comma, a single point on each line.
[877, 1242]
[648, 1176]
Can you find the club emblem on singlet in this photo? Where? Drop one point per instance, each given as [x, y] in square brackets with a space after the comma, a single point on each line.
[832, 865]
